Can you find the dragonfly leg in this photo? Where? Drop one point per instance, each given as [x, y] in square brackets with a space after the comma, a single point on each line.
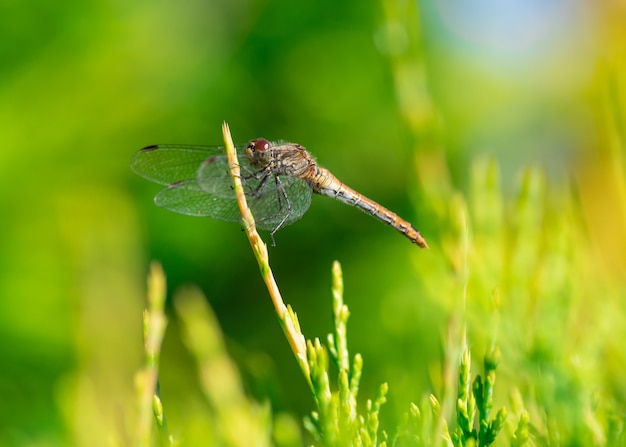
[257, 191]
[282, 197]
[261, 176]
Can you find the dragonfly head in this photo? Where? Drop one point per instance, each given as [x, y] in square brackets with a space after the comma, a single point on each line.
[258, 152]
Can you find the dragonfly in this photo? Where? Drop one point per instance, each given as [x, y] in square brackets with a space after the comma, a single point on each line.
[279, 179]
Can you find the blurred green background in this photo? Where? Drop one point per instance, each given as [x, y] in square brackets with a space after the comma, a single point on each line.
[397, 98]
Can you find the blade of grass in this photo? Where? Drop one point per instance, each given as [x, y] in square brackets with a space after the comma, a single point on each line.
[236, 421]
[147, 380]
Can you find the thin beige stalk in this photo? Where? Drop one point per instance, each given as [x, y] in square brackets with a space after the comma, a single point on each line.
[286, 315]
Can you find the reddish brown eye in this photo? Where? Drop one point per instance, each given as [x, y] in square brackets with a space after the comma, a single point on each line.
[259, 144]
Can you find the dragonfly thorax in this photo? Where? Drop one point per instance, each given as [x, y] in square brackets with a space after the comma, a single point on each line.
[280, 159]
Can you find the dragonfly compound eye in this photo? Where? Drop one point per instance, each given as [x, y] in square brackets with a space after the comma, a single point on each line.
[259, 144]
[258, 152]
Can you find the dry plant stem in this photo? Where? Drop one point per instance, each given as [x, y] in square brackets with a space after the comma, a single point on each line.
[286, 316]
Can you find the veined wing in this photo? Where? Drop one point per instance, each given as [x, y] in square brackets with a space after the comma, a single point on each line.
[171, 163]
[272, 202]
[187, 197]
[199, 184]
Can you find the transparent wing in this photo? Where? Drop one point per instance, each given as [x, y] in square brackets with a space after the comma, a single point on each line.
[213, 175]
[188, 198]
[271, 201]
[171, 163]
[199, 184]
[281, 204]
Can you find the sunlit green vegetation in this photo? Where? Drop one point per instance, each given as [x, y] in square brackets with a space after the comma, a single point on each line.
[499, 133]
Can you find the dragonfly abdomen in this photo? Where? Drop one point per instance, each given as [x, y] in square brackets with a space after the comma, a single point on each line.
[325, 183]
